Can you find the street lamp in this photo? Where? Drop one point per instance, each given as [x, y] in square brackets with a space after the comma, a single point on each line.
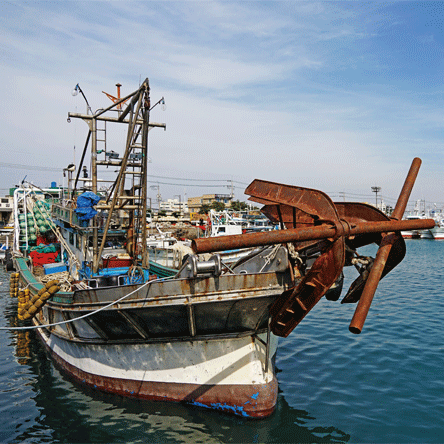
[162, 102]
[77, 90]
[376, 190]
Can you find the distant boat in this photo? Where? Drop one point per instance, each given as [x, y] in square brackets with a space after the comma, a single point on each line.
[438, 231]
[412, 234]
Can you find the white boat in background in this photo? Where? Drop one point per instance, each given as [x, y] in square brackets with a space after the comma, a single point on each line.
[6, 236]
[426, 234]
[260, 224]
[161, 239]
[417, 213]
[411, 234]
[222, 223]
[438, 231]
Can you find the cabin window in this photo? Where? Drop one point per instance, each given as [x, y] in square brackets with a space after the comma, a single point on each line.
[71, 238]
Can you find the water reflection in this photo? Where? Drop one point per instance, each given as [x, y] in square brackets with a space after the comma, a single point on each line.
[68, 412]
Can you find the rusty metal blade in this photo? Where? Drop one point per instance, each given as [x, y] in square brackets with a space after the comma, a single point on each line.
[294, 304]
[395, 256]
[313, 202]
[355, 213]
[297, 207]
[291, 217]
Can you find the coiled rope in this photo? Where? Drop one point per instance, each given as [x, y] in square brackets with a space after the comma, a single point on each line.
[64, 278]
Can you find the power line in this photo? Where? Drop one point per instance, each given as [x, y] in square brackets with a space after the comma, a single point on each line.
[29, 167]
[198, 180]
[190, 185]
[335, 194]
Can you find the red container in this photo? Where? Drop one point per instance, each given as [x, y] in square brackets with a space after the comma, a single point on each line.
[115, 262]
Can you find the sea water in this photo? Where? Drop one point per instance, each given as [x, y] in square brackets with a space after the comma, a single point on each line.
[385, 385]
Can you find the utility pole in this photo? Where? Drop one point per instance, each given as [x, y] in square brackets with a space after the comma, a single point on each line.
[180, 204]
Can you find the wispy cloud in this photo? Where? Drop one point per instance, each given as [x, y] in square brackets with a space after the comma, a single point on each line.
[315, 93]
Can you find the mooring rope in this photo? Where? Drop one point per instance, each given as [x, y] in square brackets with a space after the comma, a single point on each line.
[34, 327]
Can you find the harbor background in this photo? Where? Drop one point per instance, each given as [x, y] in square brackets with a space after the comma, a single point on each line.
[383, 386]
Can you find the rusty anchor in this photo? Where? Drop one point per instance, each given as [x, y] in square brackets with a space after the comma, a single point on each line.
[328, 234]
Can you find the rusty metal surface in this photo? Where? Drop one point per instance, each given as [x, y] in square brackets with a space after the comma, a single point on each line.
[174, 291]
[222, 243]
[404, 195]
[302, 207]
[383, 253]
[310, 219]
[312, 202]
[359, 212]
[231, 304]
[295, 303]
[356, 212]
[309, 216]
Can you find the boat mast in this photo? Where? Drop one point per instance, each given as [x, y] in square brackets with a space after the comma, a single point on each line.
[143, 177]
[119, 197]
[132, 165]
[93, 129]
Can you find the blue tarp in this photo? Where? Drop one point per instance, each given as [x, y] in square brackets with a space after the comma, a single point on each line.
[85, 203]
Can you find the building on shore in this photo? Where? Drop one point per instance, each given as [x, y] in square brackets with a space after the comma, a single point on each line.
[196, 203]
[6, 214]
[174, 206]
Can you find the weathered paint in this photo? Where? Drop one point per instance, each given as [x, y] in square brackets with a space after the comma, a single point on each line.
[233, 382]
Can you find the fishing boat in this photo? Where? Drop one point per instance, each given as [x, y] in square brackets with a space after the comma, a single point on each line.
[207, 336]
[437, 231]
[417, 213]
[411, 234]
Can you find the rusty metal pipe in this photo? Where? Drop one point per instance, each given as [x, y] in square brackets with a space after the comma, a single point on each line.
[404, 195]
[223, 243]
[365, 301]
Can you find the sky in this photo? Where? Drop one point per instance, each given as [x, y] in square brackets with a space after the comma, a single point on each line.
[337, 96]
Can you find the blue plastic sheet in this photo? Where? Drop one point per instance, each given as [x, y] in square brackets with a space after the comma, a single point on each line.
[85, 203]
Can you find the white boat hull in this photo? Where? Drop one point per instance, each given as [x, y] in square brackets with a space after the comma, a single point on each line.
[411, 234]
[227, 374]
[438, 233]
[426, 234]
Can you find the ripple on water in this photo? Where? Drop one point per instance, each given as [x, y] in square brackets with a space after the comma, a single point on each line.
[384, 385]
